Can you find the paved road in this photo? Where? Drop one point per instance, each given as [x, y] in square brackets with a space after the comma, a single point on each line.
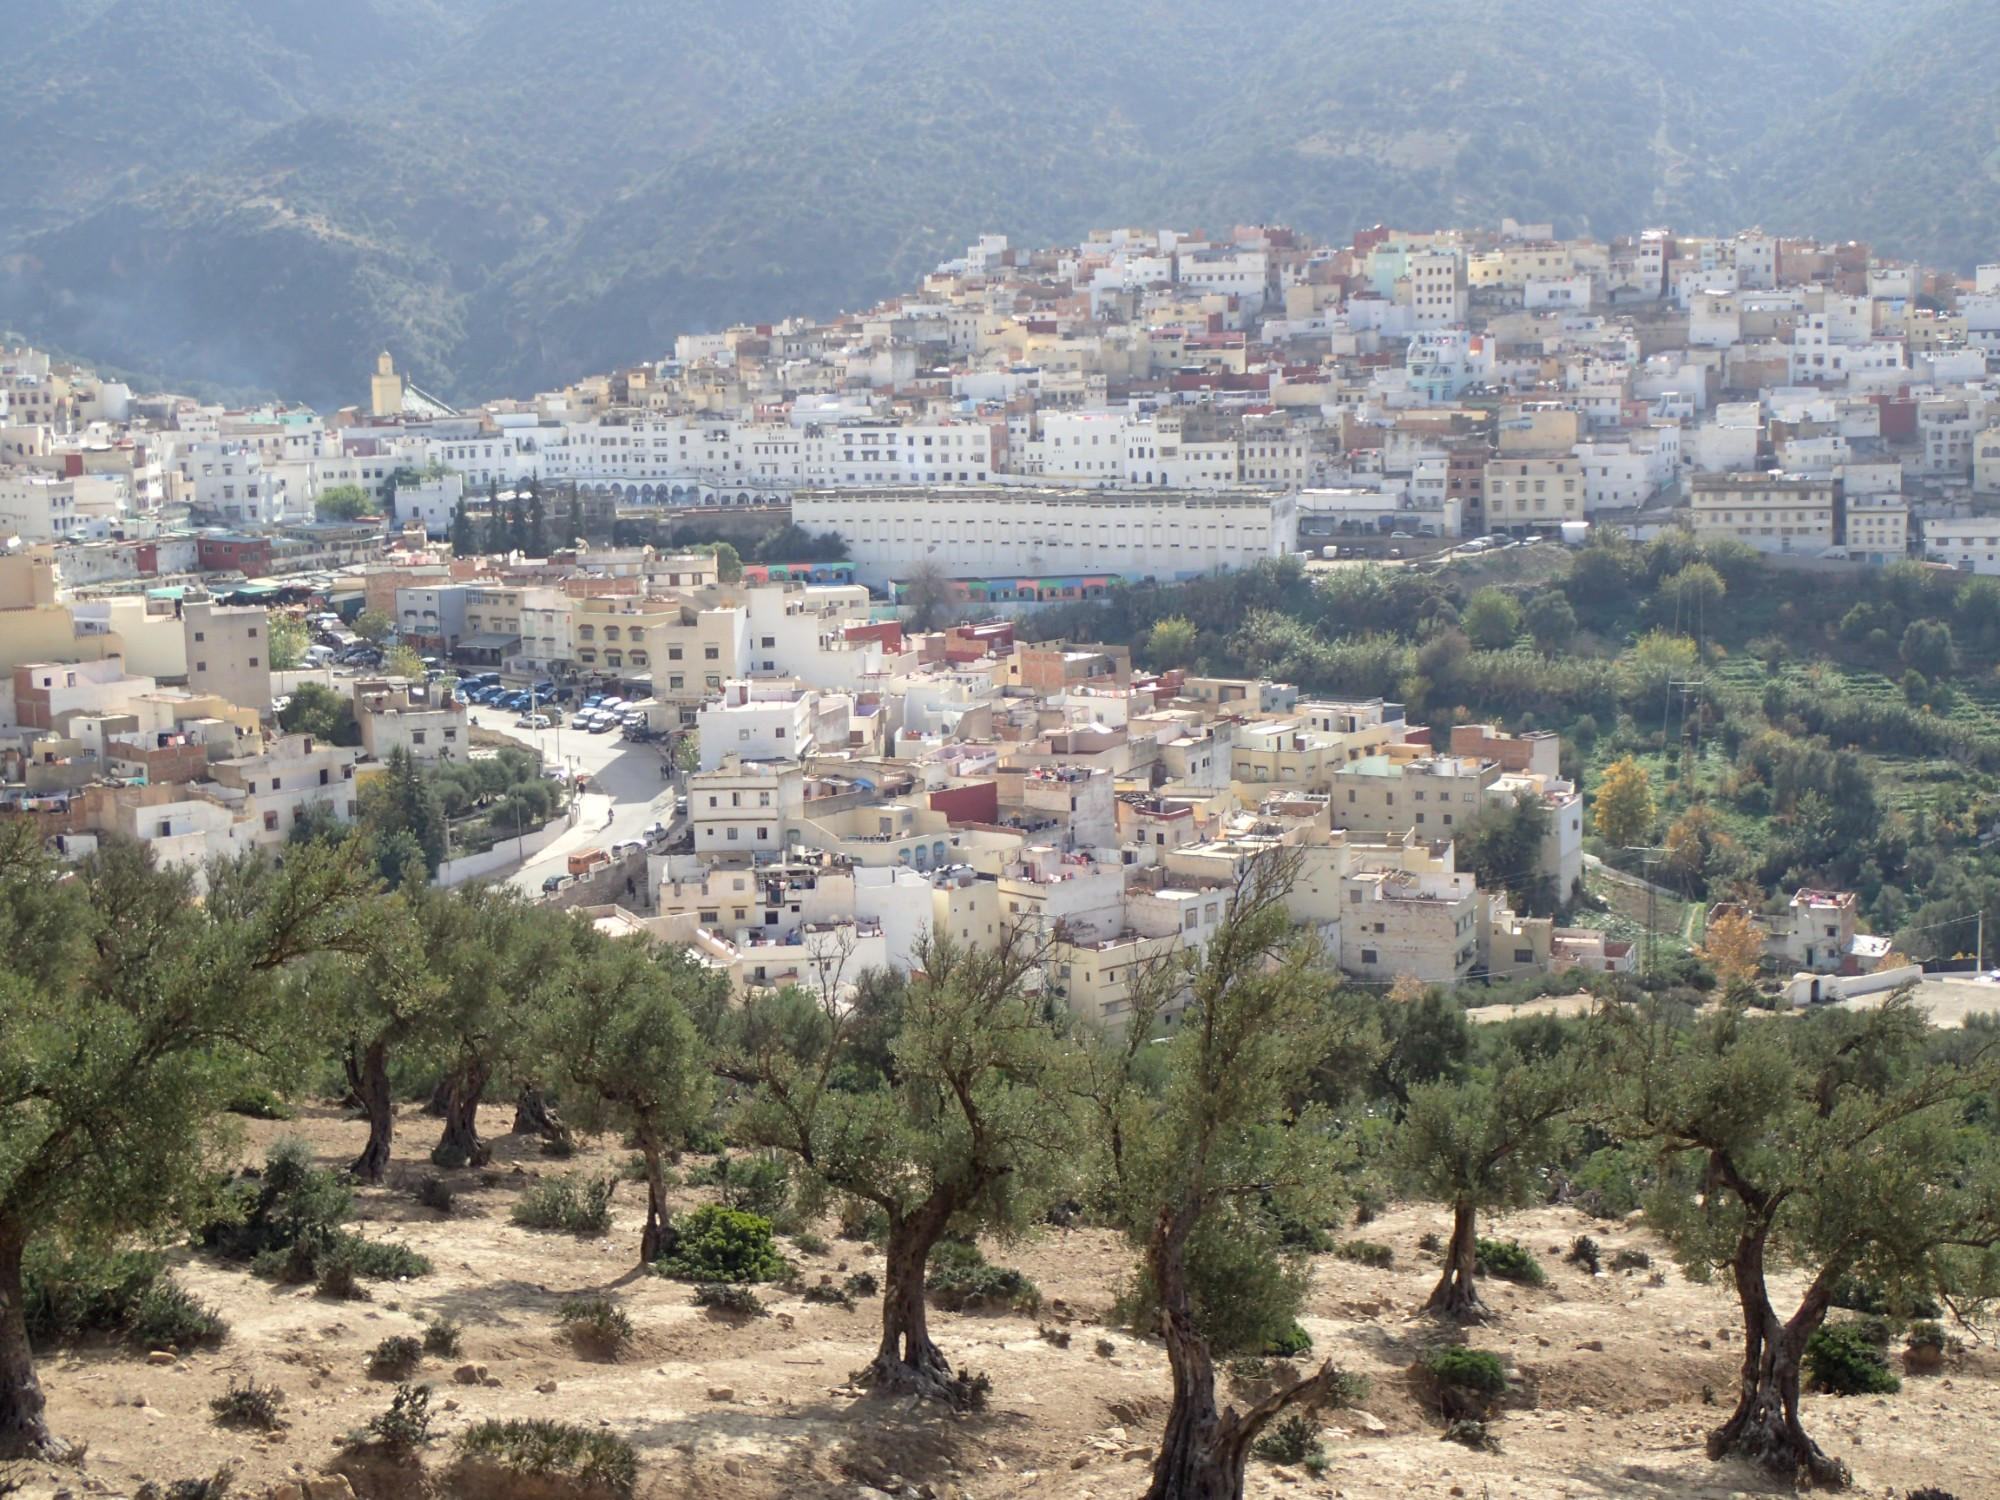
[1949, 1001]
[626, 791]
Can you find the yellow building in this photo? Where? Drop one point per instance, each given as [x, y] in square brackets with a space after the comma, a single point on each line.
[385, 389]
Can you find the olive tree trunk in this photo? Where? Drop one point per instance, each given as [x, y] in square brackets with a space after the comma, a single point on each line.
[460, 1145]
[533, 1115]
[1203, 1452]
[907, 1362]
[24, 1431]
[368, 1081]
[656, 1239]
[1765, 1426]
[1457, 1292]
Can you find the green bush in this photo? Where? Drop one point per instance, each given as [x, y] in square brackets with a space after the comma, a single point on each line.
[395, 1358]
[808, 1243]
[127, 1293]
[1509, 1260]
[760, 1185]
[286, 1222]
[729, 1297]
[260, 1103]
[1842, 1359]
[339, 1273]
[597, 1325]
[248, 1405]
[1855, 1295]
[404, 1427]
[1631, 1260]
[861, 1284]
[1928, 1334]
[961, 1280]
[570, 1202]
[714, 1243]
[432, 1191]
[825, 1291]
[1290, 1344]
[1460, 1368]
[590, 1459]
[441, 1337]
[1584, 1252]
[1245, 1286]
[1292, 1439]
[1366, 1253]
[1431, 1242]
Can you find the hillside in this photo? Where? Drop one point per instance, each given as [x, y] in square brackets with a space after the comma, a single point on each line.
[1611, 1373]
[509, 194]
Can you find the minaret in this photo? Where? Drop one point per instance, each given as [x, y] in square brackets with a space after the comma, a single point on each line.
[386, 389]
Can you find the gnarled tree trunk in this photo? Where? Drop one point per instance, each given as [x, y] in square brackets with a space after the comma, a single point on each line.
[656, 1239]
[24, 1431]
[1203, 1452]
[907, 1362]
[460, 1145]
[368, 1081]
[534, 1116]
[1765, 1426]
[1457, 1292]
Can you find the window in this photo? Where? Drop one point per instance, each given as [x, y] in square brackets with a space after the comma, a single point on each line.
[711, 653]
[416, 736]
[1524, 955]
[201, 666]
[201, 635]
[732, 834]
[253, 632]
[253, 661]
[270, 822]
[763, 833]
[1368, 955]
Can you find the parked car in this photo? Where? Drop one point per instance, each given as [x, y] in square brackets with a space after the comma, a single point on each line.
[655, 832]
[532, 721]
[580, 721]
[601, 723]
[553, 884]
[624, 847]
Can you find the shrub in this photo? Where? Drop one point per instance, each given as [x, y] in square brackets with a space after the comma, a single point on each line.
[596, 1325]
[569, 1202]
[825, 1291]
[1460, 1368]
[808, 1243]
[726, 1297]
[1842, 1360]
[1367, 1253]
[1631, 1260]
[432, 1191]
[260, 1103]
[861, 1220]
[861, 1284]
[340, 1275]
[1245, 1287]
[286, 1222]
[441, 1337]
[1859, 1296]
[588, 1458]
[395, 1358]
[1292, 1439]
[1583, 1251]
[760, 1185]
[406, 1425]
[1509, 1260]
[1431, 1242]
[249, 1405]
[122, 1292]
[1926, 1334]
[1293, 1342]
[215, 1487]
[714, 1243]
[1473, 1433]
[961, 1280]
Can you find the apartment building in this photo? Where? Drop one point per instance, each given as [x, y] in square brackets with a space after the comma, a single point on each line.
[228, 652]
[1534, 494]
[1771, 512]
[746, 809]
[281, 787]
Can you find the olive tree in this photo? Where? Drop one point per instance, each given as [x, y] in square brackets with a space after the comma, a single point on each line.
[1227, 1127]
[616, 1026]
[965, 1120]
[1824, 1146]
[1480, 1145]
[132, 1007]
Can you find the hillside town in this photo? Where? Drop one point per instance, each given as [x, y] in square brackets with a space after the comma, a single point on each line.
[788, 767]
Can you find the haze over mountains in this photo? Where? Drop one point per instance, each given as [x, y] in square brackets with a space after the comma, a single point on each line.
[508, 193]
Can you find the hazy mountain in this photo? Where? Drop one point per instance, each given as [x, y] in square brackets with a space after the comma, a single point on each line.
[508, 193]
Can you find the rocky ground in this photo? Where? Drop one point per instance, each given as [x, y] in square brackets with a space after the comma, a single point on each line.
[1613, 1373]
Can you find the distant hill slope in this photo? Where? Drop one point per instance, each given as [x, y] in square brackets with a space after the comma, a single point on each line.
[509, 193]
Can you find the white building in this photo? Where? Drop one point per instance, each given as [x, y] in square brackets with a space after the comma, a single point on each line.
[1035, 533]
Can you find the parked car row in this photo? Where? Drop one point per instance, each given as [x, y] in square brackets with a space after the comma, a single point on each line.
[599, 714]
